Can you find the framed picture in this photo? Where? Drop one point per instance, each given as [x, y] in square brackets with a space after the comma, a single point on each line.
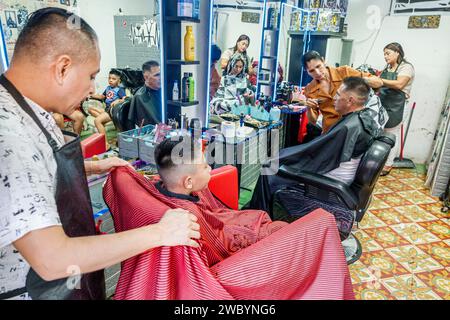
[424, 22]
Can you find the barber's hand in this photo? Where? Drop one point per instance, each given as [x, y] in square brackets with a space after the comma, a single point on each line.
[106, 165]
[178, 227]
[312, 103]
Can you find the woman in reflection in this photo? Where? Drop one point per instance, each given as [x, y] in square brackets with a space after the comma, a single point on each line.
[242, 44]
[234, 88]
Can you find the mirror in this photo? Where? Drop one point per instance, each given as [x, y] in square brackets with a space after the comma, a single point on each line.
[236, 38]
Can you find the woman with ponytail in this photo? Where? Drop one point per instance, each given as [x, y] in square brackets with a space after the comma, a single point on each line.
[398, 77]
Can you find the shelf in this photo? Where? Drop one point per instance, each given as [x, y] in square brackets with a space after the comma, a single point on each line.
[317, 33]
[272, 29]
[182, 104]
[183, 19]
[265, 83]
[182, 62]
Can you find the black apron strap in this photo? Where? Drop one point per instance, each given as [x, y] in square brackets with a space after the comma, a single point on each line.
[13, 293]
[26, 107]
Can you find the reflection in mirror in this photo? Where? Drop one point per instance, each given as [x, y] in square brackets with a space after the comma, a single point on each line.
[129, 36]
[236, 44]
[129, 39]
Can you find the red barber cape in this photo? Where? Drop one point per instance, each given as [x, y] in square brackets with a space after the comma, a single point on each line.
[243, 254]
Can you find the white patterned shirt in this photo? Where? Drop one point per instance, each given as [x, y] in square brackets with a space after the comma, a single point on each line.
[27, 184]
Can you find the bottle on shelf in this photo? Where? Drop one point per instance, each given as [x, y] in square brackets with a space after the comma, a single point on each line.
[175, 91]
[191, 88]
[189, 45]
[185, 88]
[196, 11]
[185, 8]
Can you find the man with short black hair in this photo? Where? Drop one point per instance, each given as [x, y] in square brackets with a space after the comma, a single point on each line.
[145, 105]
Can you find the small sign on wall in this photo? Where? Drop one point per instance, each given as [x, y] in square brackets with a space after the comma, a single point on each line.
[424, 22]
[250, 17]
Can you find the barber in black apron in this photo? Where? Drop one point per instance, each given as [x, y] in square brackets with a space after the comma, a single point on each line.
[76, 216]
[393, 100]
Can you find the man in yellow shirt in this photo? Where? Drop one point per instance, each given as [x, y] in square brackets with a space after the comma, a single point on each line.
[326, 81]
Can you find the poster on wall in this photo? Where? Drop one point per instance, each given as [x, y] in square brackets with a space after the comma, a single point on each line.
[14, 15]
[419, 6]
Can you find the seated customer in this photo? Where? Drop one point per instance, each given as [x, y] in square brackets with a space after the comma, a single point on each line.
[77, 117]
[234, 87]
[113, 95]
[337, 153]
[242, 254]
[145, 106]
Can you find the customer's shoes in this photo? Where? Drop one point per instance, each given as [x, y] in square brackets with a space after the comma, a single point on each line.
[386, 171]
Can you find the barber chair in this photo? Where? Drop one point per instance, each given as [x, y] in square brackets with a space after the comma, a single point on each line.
[349, 201]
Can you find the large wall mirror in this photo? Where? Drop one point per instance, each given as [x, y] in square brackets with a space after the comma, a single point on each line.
[236, 39]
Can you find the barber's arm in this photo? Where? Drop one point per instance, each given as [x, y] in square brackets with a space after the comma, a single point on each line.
[53, 255]
[373, 81]
[105, 165]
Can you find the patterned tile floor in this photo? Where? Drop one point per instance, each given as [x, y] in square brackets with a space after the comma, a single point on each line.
[406, 243]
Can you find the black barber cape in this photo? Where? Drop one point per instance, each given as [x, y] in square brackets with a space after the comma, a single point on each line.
[349, 138]
[145, 105]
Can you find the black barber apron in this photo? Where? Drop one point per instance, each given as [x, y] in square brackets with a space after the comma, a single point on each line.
[393, 100]
[75, 212]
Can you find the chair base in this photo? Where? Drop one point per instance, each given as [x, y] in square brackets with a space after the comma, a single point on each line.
[352, 249]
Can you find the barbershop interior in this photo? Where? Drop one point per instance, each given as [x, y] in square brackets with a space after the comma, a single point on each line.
[309, 140]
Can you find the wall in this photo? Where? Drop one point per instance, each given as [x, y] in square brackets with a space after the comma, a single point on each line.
[427, 49]
[100, 15]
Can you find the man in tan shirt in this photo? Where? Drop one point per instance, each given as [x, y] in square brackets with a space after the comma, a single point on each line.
[326, 81]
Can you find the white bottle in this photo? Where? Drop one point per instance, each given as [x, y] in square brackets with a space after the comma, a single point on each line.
[175, 92]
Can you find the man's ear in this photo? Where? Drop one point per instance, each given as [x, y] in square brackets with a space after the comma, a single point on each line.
[62, 68]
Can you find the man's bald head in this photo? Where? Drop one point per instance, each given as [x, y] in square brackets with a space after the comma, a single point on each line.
[52, 32]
